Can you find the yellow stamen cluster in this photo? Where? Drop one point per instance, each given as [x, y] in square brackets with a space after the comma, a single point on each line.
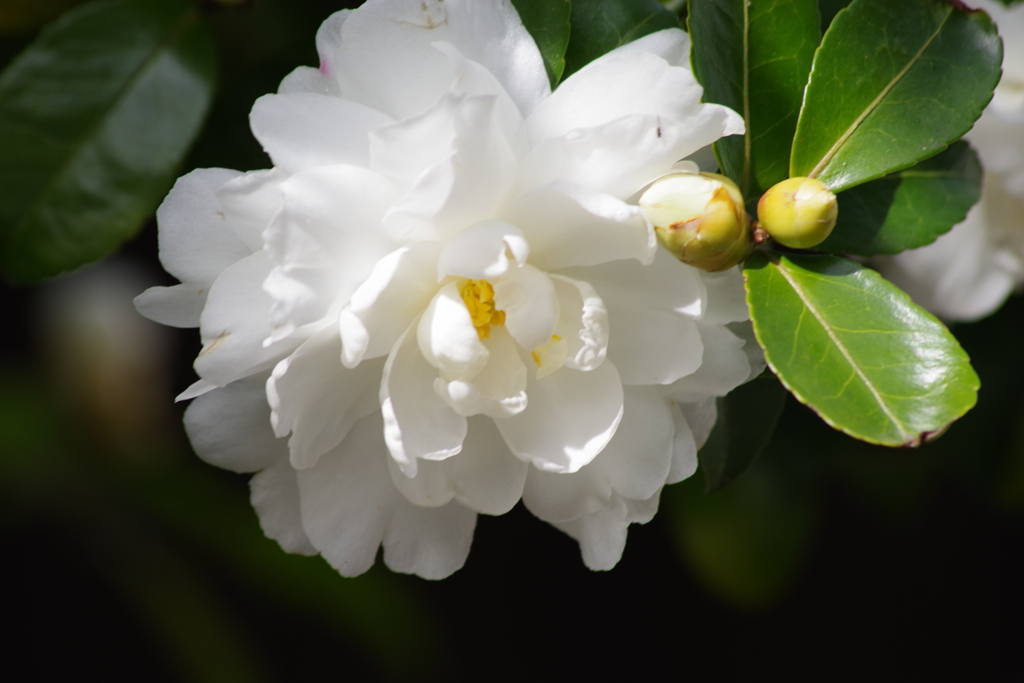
[479, 298]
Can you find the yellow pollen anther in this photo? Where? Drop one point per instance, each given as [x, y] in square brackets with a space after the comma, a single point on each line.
[478, 296]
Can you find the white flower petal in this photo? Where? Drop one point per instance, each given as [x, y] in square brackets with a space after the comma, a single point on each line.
[398, 289]
[301, 130]
[727, 298]
[617, 158]
[177, 306]
[417, 422]
[671, 44]
[195, 390]
[274, 493]
[626, 83]
[684, 445]
[583, 323]
[324, 242]
[392, 43]
[317, 399]
[651, 312]
[484, 477]
[570, 418]
[196, 245]
[348, 500]
[701, 417]
[724, 366]
[235, 322]
[602, 535]
[527, 296]
[482, 251]
[568, 226]
[308, 80]
[429, 542]
[250, 202]
[230, 428]
[447, 338]
[467, 168]
[634, 464]
[498, 390]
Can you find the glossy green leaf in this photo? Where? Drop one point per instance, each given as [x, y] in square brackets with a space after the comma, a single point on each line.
[754, 57]
[746, 421]
[599, 26]
[856, 349]
[548, 23]
[907, 209]
[893, 83]
[95, 117]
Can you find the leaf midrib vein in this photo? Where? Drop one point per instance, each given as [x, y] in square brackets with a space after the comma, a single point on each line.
[75, 150]
[820, 166]
[843, 350]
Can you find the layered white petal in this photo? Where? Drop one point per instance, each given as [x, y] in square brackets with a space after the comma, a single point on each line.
[317, 399]
[498, 390]
[447, 338]
[630, 82]
[570, 418]
[417, 422]
[724, 366]
[652, 312]
[689, 418]
[470, 181]
[274, 493]
[398, 289]
[324, 242]
[483, 251]
[582, 324]
[528, 298]
[567, 225]
[196, 244]
[350, 508]
[230, 428]
[484, 477]
[300, 130]
[602, 535]
[177, 306]
[392, 43]
[235, 322]
[250, 202]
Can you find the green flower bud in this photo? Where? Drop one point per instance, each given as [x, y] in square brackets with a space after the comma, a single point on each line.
[799, 212]
[700, 219]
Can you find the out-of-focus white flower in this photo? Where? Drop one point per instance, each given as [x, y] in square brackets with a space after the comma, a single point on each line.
[442, 294]
[967, 273]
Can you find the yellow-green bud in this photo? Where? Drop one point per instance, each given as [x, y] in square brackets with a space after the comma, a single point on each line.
[700, 219]
[799, 212]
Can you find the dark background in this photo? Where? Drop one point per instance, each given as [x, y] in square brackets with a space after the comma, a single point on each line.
[126, 558]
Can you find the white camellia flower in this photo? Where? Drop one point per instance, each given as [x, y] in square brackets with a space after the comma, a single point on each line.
[444, 294]
[967, 273]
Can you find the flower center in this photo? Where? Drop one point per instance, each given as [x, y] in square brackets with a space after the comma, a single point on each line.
[479, 298]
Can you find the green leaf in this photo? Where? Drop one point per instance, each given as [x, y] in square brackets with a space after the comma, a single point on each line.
[893, 83]
[95, 117]
[599, 26]
[907, 209]
[746, 421]
[754, 56]
[856, 349]
[548, 23]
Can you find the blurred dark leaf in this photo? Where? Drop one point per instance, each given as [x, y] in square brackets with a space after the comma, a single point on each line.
[856, 349]
[20, 16]
[907, 209]
[599, 26]
[828, 9]
[746, 421]
[746, 543]
[548, 23]
[881, 100]
[754, 56]
[95, 117]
